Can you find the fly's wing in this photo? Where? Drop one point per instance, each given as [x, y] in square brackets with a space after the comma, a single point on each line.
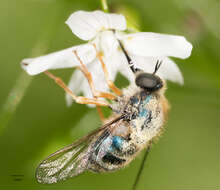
[63, 164]
[71, 160]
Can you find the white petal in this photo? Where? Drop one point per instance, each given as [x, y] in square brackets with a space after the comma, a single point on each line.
[60, 59]
[117, 62]
[86, 25]
[127, 73]
[168, 70]
[108, 43]
[153, 44]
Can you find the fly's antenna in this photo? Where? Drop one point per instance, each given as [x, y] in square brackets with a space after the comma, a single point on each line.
[157, 66]
[130, 61]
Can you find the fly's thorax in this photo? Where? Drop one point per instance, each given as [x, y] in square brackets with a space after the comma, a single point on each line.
[120, 104]
[143, 110]
[146, 115]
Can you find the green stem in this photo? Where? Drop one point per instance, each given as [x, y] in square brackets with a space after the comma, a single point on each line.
[18, 90]
[14, 98]
[104, 5]
[23, 81]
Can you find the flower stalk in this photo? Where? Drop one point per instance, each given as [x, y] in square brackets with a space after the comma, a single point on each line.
[104, 6]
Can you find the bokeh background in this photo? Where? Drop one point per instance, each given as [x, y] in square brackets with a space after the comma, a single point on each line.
[34, 119]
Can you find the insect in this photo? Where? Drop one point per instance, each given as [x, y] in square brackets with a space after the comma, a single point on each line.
[139, 113]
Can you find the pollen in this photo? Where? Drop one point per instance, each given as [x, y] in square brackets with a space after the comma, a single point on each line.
[129, 38]
[103, 28]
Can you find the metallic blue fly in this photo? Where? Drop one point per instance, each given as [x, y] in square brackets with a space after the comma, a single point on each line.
[139, 113]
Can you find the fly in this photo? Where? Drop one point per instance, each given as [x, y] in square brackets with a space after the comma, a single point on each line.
[138, 117]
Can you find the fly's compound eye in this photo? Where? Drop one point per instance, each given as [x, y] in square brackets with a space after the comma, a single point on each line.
[149, 82]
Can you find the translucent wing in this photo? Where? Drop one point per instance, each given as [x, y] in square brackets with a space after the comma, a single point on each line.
[71, 160]
[63, 164]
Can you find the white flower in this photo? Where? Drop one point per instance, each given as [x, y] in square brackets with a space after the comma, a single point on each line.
[97, 27]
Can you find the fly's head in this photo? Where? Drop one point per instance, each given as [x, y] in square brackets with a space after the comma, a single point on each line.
[149, 82]
[148, 95]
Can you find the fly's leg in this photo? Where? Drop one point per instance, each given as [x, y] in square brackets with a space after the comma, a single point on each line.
[88, 75]
[110, 84]
[96, 94]
[101, 115]
[78, 99]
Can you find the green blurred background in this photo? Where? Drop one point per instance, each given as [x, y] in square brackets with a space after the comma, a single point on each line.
[186, 157]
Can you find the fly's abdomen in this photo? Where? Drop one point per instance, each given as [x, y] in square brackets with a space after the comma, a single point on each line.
[113, 154]
[112, 160]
